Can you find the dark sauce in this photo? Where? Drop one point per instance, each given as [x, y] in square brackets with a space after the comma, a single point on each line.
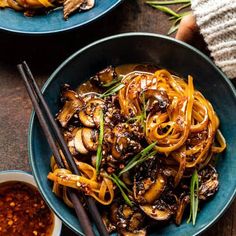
[23, 212]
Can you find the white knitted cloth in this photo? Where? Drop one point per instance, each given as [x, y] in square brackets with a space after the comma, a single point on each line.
[217, 22]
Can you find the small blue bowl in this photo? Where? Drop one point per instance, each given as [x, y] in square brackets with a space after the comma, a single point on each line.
[167, 53]
[53, 22]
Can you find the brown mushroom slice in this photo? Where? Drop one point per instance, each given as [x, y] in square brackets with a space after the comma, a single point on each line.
[180, 211]
[105, 76]
[155, 190]
[92, 104]
[97, 115]
[69, 94]
[70, 6]
[115, 152]
[68, 111]
[156, 100]
[155, 213]
[90, 139]
[87, 5]
[79, 146]
[86, 120]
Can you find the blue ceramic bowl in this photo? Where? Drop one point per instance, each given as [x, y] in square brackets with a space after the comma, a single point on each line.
[53, 22]
[167, 53]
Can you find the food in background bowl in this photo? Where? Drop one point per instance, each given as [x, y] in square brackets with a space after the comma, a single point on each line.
[31, 7]
[145, 143]
[22, 209]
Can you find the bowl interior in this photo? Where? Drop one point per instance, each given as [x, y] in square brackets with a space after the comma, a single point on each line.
[166, 53]
[22, 176]
[52, 22]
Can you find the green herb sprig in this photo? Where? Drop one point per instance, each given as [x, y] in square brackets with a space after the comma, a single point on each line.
[115, 81]
[112, 90]
[194, 201]
[121, 185]
[174, 16]
[139, 158]
[100, 140]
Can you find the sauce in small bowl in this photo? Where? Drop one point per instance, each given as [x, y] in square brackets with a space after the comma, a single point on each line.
[22, 209]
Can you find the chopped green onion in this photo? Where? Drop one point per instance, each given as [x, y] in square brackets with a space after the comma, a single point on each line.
[136, 118]
[166, 10]
[161, 5]
[168, 2]
[117, 181]
[135, 159]
[100, 140]
[121, 183]
[112, 90]
[194, 188]
[184, 6]
[120, 77]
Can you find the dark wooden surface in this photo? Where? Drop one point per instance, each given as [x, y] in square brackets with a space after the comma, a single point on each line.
[44, 54]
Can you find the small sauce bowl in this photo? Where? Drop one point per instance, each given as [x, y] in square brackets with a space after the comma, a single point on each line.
[14, 177]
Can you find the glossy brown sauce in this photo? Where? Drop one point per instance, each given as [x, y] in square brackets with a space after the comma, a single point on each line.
[23, 211]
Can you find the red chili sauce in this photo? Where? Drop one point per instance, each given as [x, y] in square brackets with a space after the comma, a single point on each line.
[23, 211]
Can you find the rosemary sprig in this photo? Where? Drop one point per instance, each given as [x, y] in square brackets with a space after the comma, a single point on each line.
[112, 90]
[139, 158]
[120, 184]
[176, 17]
[194, 188]
[120, 77]
[100, 140]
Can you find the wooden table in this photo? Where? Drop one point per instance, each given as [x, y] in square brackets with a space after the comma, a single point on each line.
[44, 54]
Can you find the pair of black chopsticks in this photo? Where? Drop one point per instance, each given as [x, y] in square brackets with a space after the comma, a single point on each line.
[55, 139]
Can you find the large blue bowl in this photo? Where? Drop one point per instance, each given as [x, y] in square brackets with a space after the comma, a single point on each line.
[167, 53]
[53, 22]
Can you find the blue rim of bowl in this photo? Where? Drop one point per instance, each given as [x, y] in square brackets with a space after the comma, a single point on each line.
[16, 171]
[132, 34]
[67, 29]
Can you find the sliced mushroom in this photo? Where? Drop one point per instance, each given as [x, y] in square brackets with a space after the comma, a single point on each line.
[180, 211]
[92, 104]
[149, 182]
[87, 5]
[155, 213]
[90, 139]
[208, 182]
[90, 115]
[70, 6]
[68, 111]
[156, 100]
[96, 115]
[71, 146]
[151, 189]
[68, 94]
[128, 220]
[105, 76]
[79, 146]
[86, 120]
[156, 189]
